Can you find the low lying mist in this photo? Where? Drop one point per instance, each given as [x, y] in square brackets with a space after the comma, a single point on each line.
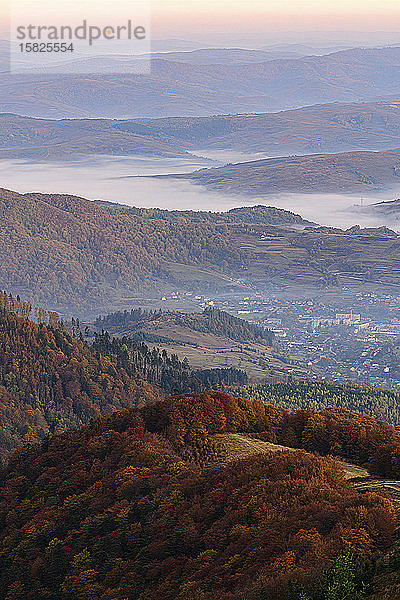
[112, 179]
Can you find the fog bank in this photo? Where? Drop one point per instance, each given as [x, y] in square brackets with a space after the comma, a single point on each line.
[111, 179]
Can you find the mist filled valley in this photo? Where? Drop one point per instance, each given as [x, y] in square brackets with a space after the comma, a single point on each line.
[125, 181]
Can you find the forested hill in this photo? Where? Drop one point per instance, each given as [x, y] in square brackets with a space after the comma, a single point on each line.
[161, 369]
[258, 214]
[120, 509]
[51, 381]
[337, 127]
[83, 258]
[380, 403]
[62, 249]
[211, 320]
[344, 172]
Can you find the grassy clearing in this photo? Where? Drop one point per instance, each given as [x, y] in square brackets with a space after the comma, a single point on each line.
[235, 446]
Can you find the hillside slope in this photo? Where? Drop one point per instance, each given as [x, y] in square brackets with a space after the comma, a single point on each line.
[40, 139]
[81, 257]
[343, 173]
[70, 253]
[211, 321]
[115, 511]
[326, 128]
[51, 381]
[212, 339]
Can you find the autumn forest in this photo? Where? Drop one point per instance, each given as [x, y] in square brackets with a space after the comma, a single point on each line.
[114, 484]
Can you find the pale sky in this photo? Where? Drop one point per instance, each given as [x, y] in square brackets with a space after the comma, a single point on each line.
[285, 15]
[185, 18]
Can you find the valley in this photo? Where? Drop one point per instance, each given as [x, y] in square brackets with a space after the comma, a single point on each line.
[262, 249]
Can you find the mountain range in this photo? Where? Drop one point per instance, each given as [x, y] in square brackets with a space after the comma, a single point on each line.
[184, 89]
[68, 251]
[322, 129]
[163, 453]
[46, 140]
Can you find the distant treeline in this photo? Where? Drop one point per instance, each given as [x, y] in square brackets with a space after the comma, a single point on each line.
[211, 320]
[51, 379]
[263, 215]
[190, 421]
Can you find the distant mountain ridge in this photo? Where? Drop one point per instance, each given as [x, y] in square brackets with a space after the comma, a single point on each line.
[322, 128]
[70, 253]
[176, 88]
[40, 139]
[336, 127]
[214, 56]
[76, 256]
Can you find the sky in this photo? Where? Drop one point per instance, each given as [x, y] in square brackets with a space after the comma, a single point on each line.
[200, 18]
[283, 15]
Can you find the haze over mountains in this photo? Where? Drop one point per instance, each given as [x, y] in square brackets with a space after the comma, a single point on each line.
[24, 137]
[342, 148]
[212, 56]
[183, 89]
[322, 128]
[273, 472]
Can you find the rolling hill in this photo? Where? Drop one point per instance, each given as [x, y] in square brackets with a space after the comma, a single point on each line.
[343, 173]
[212, 339]
[65, 251]
[39, 139]
[326, 128]
[82, 257]
[211, 321]
[183, 89]
[138, 504]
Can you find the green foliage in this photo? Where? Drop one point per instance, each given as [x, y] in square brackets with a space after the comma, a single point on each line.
[341, 581]
[157, 367]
